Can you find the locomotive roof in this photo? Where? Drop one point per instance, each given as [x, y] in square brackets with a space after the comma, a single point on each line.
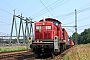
[50, 19]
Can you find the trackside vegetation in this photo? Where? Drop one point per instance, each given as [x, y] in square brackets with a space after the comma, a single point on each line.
[79, 52]
[12, 48]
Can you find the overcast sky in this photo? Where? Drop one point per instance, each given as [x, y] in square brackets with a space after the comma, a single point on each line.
[63, 10]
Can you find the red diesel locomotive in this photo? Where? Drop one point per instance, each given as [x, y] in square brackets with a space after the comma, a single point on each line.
[49, 37]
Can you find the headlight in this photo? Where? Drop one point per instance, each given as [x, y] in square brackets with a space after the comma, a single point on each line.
[38, 27]
[37, 40]
[41, 41]
[48, 27]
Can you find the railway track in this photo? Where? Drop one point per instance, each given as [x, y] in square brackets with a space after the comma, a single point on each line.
[19, 55]
[25, 55]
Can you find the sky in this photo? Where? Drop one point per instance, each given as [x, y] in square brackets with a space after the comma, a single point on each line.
[62, 10]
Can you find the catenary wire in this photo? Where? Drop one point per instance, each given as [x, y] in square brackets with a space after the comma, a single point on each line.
[46, 8]
[49, 8]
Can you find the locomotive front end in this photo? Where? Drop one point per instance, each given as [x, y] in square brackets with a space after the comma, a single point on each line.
[43, 37]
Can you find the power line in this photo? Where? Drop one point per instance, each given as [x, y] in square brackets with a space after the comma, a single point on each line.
[46, 8]
[86, 18]
[7, 3]
[58, 4]
[6, 11]
[69, 29]
[82, 10]
[31, 7]
[72, 13]
[53, 7]
[49, 7]
[4, 23]
[13, 6]
[21, 5]
[85, 5]
[65, 15]
[46, 2]
[83, 26]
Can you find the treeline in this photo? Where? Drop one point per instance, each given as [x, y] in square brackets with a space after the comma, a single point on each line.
[82, 38]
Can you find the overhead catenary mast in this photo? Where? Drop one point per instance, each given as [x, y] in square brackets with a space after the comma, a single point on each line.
[76, 42]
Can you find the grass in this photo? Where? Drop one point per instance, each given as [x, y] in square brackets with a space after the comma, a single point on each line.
[12, 48]
[79, 52]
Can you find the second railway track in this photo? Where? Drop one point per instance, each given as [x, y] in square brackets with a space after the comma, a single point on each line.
[19, 55]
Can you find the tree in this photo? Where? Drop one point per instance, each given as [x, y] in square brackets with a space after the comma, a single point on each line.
[74, 37]
[82, 38]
